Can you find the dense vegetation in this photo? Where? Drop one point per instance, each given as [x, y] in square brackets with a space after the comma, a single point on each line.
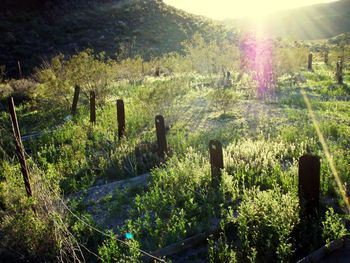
[258, 112]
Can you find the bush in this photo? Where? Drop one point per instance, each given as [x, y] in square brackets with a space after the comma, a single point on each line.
[211, 58]
[221, 251]
[333, 228]
[265, 221]
[114, 251]
[5, 90]
[263, 163]
[91, 72]
[41, 236]
[132, 70]
[222, 99]
[21, 90]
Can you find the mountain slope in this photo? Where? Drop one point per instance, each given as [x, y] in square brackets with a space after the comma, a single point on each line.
[145, 27]
[312, 22]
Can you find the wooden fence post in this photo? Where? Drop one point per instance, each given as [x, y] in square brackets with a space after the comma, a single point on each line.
[309, 64]
[75, 100]
[92, 106]
[309, 183]
[339, 72]
[19, 146]
[19, 69]
[121, 119]
[326, 57]
[161, 138]
[216, 161]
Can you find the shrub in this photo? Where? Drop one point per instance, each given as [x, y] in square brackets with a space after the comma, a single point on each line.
[263, 163]
[265, 221]
[222, 99]
[5, 90]
[333, 228]
[22, 89]
[132, 70]
[54, 85]
[221, 251]
[91, 72]
[41, 236]
[209, 58]
[114, 251]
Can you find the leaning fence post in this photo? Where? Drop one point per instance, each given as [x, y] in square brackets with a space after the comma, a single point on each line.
[19, 146]
[121, 119]
[216, 161]
[161, 138]
[75, 100]
[309, 64]
[309, 183]
[92, 106]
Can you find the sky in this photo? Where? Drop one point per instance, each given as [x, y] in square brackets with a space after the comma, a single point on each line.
[222, 9]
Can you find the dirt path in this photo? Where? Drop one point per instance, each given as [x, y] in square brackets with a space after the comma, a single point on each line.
[98, 199]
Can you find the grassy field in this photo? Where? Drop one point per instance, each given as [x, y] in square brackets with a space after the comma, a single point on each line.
[255, 209]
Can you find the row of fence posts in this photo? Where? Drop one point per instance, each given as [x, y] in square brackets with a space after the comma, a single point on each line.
[309, 166]
[339, 70]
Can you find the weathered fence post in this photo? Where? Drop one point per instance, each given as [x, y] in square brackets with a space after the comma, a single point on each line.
[216, 161]
[309, 64]
[121, 119]
[75, 100]
[326, 58]
[19, 69]
[339, 72]
[309, 183]
[161, 138]
[19, 146]
[92, 106]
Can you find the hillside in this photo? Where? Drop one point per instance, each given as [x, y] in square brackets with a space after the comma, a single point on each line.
[149, 28]
[312, 22]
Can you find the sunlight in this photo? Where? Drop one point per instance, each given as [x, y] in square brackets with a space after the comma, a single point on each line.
[222, 9]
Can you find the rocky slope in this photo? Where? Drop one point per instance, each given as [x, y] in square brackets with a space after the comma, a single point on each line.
[147, 27]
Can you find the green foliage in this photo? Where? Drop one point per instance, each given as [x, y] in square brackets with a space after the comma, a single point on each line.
[113, 251]
[263, 163]
[288, 60]
[28, 234]
[21, 90]
[221, 251]
[223, 98]
[41, 235]
[333, 227]
[265, 221]
[178, 193]
[261, 151]
[58, 78]
[132, 70]
[209, 58]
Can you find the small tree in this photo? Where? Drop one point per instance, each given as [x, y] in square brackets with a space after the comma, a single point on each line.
[58, 78]
[222, 99]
